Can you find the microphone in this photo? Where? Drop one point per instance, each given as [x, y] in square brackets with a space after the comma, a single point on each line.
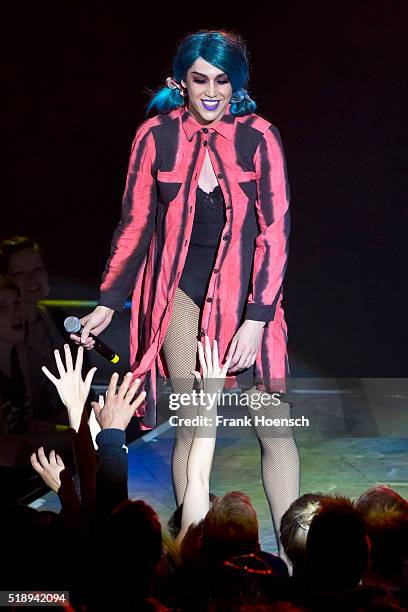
[73, 325]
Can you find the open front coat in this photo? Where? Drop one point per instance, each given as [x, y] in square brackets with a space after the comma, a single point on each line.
[151, 241]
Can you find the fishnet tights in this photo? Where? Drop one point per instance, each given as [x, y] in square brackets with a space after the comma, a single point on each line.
[279, 458]
[279, 454]
[180, 352]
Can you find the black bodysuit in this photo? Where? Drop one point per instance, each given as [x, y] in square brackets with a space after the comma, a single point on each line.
[209, 221]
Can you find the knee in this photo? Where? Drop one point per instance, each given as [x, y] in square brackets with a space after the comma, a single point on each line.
[273, 426]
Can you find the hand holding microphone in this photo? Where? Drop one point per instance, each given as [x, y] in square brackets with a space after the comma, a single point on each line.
[90, 326]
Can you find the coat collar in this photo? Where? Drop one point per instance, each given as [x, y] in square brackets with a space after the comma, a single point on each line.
[224, 126]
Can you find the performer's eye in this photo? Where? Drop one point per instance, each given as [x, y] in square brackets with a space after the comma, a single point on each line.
[201, 81]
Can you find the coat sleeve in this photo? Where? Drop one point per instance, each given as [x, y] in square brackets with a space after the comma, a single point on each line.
[271, 246]
[132, 236]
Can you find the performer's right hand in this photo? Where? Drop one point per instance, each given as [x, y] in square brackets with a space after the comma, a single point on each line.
[95, 322]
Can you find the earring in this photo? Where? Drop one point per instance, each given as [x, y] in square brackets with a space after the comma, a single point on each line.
[172, 84]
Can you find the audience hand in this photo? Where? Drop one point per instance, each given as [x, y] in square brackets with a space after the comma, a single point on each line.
[117, 410]
[213, 373]
[95, 322]
[49, 469]
[72, 390]
[245, 345]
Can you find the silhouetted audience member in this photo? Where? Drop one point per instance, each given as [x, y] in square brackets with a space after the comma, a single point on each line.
[385, 514]
[36, 550]
[229, 529]
[337, 555]
[14, 398]
[130, 548]
[21, 261]
[294, 528]
[245, 578]
[19, 430]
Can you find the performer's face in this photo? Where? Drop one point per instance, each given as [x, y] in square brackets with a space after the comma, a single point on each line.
[205, 83]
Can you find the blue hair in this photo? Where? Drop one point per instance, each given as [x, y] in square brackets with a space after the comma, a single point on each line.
[224, 50]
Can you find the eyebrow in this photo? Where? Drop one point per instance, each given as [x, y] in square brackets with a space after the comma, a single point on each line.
[205, 75]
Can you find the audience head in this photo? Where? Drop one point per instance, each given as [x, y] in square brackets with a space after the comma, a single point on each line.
[385, 514]
[337, 547]
[230, 527]
[295, 525]
[21, 262]
[11, 313]
[135, 527]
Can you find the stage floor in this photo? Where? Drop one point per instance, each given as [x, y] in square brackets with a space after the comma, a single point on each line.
[345, 466]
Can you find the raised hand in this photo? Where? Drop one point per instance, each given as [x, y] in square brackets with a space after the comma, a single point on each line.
[116, 410]
[49, 469]
[213, 373]
[72, 390]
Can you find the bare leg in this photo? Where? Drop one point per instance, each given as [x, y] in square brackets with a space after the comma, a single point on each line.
[180, 352]
[279, 457]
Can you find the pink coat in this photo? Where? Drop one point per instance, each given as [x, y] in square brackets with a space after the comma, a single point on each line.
[151, 241]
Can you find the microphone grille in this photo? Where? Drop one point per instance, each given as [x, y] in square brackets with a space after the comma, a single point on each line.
[72, 325]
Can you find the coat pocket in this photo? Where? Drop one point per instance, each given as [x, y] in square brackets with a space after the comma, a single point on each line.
[247, 184]
[168, 184]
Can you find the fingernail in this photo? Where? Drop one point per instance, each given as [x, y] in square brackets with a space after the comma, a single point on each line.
[129, 374]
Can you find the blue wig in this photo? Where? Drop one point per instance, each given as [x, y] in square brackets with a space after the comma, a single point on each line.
[224, 50]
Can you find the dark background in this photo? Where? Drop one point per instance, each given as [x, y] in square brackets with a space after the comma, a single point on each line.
[333, 79]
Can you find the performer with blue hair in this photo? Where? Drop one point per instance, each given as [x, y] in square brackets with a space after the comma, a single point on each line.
[224, 52]
[202, 243]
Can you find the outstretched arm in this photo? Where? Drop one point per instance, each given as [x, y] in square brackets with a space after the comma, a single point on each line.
[196, 498]
[113, 416]
[73, 391]
[52, 471]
